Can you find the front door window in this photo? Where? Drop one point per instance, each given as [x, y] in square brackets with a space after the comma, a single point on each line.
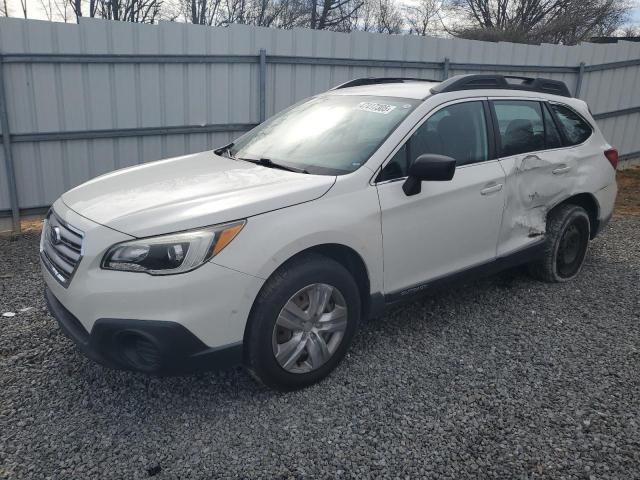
[458, 131]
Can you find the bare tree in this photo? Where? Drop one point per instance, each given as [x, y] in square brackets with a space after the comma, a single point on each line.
[580, 20]
[287, 14]
[276, 13]
[4, 9]
[23, 5]
[423, 16]
[629, 31]
[333, 14]
[47, 6]
[201, 12]
[363, 18]
[137, 11]
[77, 8]
[534, 21]
[388, 17]
[235, 12]
[378, 16]
[62, 8]
[267, 13]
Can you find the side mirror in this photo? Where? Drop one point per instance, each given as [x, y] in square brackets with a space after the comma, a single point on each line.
[428, 167]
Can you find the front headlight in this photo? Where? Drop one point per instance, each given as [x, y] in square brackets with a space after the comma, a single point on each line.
[173, 253]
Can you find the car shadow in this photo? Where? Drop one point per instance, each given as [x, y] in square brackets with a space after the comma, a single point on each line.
[97, 383]
[426, 316]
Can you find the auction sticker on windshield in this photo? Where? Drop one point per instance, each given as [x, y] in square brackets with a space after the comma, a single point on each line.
[373, 107]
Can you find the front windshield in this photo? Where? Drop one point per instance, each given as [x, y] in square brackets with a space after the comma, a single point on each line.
[329, 134]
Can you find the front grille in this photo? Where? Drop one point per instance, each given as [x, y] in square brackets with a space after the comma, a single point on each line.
[60, 248]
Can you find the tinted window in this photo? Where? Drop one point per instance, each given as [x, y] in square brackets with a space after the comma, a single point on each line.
[458, 131]
[576, 130]
[551, 135]
[521, 126]
[330, 134]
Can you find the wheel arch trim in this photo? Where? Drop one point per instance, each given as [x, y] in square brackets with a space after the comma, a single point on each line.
[589, 202]
[352, 261]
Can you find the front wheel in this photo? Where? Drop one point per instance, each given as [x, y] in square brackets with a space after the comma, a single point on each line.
[566, 243]
[302, 323]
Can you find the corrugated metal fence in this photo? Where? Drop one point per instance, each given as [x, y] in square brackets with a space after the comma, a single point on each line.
[80, 100]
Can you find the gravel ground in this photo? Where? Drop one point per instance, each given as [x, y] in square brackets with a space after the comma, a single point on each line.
[504, 377]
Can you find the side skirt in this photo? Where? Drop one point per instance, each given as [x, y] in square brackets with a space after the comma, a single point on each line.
[514, 259]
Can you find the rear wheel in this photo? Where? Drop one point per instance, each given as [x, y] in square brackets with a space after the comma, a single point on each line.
[302, 323]
[566, 244]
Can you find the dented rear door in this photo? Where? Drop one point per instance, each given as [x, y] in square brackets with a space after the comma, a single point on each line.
[539, 172]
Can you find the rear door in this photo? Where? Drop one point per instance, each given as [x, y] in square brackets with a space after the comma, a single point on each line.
[538, 169]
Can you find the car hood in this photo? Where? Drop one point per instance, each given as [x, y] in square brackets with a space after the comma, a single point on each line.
[189, 192]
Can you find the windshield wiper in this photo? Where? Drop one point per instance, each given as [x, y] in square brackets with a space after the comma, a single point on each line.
[266, 162]
[225, 149]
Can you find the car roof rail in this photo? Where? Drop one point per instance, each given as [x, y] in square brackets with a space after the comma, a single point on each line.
[502, 82]
[358, 82]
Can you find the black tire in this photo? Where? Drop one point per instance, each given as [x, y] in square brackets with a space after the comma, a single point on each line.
[566, 244]
[307, 269]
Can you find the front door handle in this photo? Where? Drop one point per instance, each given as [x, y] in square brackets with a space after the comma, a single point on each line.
[561, 170]
[492, 189]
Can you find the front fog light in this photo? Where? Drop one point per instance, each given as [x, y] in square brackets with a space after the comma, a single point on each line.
[173, 253]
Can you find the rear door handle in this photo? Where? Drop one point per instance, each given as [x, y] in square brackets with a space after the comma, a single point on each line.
[561, 170]
[491, 189]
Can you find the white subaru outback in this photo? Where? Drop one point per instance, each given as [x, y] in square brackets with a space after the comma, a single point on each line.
[270, 251]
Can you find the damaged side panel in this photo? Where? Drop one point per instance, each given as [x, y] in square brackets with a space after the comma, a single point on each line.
[536, 182]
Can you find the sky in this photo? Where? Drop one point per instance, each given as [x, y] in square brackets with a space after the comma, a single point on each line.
[35, 10]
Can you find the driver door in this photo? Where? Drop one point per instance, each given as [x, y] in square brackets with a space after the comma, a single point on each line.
[450, 225]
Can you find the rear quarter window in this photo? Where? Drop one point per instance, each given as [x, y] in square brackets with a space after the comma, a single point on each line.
[576, 129]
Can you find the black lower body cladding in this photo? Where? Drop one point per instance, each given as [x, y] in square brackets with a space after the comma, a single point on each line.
[158, 347]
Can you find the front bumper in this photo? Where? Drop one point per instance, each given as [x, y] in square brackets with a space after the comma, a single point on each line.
[160, 347]
[193, 314]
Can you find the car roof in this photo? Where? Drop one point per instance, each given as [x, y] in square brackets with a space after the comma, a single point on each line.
[415, 89]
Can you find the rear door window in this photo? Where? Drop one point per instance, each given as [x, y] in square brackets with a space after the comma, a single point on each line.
[576, 129]
[521, 126]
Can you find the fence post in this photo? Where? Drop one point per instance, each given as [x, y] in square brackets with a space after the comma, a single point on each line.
[8, 159]
[445, 69]
[263, 85]
[579, 80]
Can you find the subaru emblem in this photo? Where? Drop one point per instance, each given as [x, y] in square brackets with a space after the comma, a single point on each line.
[55, 235]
